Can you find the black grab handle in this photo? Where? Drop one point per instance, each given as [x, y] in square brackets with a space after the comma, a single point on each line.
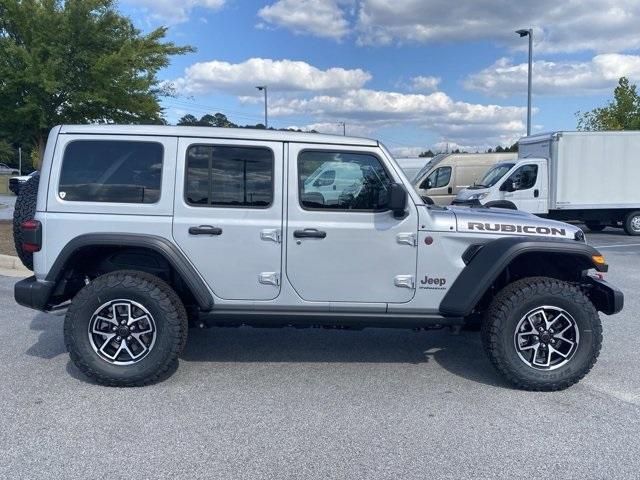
[205, 230]
[309, 233]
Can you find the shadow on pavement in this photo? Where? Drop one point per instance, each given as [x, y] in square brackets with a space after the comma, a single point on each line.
[462, 355]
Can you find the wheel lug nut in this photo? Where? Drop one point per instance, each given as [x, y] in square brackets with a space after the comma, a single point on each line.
[132, 327]
[118, 338]
[123, 322]
[113, 329]
[129, 338]
[540, 329]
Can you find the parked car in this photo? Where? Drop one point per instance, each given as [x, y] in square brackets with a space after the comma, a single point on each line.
[589, 177]
[16, 182]
[134, 229]
[7, 170]
[454, 172]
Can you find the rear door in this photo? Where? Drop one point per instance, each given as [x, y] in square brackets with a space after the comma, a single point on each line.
[352, 250]
[228, 214]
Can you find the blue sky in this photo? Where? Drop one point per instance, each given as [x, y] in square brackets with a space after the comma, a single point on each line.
[416, 74]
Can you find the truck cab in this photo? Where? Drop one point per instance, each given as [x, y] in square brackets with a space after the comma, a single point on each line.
[518, 185]
[138, 232]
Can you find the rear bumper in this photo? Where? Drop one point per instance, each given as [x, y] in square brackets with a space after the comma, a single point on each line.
[606, 298]
[33, 293]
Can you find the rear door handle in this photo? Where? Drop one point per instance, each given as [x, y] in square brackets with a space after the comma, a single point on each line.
[309, 233]
[205, 230]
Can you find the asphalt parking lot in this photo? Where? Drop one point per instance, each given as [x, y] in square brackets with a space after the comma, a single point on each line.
[259, 403]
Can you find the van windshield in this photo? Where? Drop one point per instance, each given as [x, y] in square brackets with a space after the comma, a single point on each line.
[493, 175]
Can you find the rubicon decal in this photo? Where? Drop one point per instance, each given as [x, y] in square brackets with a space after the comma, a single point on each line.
[431, 283]
[507, 228]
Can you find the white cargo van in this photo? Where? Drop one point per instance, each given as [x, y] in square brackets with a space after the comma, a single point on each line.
[591, 177]
[453, 172]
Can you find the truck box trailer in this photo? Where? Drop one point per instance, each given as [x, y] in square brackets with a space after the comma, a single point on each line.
[591, 177]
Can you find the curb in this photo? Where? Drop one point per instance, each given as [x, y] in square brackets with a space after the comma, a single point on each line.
[8, 262]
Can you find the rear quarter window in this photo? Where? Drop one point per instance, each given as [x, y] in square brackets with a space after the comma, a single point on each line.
[111, 171]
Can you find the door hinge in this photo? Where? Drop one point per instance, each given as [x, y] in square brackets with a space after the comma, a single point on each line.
[271, 234]
[404, 281]
[407, 239]
[269, 278]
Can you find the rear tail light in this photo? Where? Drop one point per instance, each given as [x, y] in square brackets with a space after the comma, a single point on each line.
[31, 235]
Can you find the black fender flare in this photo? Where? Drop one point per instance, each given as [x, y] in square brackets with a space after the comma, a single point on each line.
[501, 204]
[486, 262]
[162, 246]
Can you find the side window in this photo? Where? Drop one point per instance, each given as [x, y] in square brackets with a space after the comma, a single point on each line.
[222, 176]
[359, 181]
[111, 171]
[444, 176]
[440, 177]
[525, 177]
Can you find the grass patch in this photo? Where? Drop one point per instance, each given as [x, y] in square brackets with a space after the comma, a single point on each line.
[6, 238]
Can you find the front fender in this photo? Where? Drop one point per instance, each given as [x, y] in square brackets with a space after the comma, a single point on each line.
[486, 262]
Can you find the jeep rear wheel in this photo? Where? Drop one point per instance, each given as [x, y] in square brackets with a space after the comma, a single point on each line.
[542, 334]
[125, 328]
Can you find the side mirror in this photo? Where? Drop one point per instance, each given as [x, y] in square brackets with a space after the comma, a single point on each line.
[509, 186]
[397, 199]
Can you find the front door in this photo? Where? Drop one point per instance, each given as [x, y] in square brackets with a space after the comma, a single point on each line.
[228, 214]
[439, 186]
[526, 187]
[347, 246]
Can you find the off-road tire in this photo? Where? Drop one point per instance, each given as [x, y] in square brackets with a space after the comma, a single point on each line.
[595, 226]
[25, 209]
[158, 298]
[629, 221]
[508, 308]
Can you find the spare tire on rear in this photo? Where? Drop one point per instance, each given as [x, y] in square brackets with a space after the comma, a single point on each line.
[25, 209]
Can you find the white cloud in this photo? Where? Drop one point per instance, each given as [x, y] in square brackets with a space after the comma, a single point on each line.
[503, 78]
[421, 83]
[437, 112]
[279, 75]
[322, 18]
[174, 11]
[571, 25]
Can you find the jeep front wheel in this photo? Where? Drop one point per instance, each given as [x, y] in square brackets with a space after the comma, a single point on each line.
[542, 334]
[125, 328]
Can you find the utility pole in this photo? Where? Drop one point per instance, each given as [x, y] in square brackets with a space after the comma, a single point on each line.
[344, 128]
[528, 33]
[263, 88]
[20, 160]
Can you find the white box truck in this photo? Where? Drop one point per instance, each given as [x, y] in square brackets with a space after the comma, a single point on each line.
[590, 177]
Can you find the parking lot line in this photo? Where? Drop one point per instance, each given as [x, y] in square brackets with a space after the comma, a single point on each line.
[619, 245]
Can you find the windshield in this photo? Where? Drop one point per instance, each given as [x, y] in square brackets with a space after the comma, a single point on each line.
[493, 175]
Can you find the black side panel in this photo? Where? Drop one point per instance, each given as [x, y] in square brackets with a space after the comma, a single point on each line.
[493, 258]
[165, 248]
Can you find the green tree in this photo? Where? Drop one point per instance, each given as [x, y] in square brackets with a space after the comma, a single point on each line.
[7, 153]
[76, 61]
[622, 113]
[427, 154]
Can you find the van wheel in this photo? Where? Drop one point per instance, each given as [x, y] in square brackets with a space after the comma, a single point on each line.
[595, 226]
[542, 334]
[632, 223]
[25, 209]
[125, 329]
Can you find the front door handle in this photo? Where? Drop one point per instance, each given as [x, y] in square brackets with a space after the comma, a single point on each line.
[205, 230]
[536, 193]
[309, 233]
[449, 190]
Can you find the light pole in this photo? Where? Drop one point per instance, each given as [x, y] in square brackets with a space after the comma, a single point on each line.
[344, 128]
[528, 33]
[263, 88]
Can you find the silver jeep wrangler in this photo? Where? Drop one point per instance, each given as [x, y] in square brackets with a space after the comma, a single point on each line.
[138, 230]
